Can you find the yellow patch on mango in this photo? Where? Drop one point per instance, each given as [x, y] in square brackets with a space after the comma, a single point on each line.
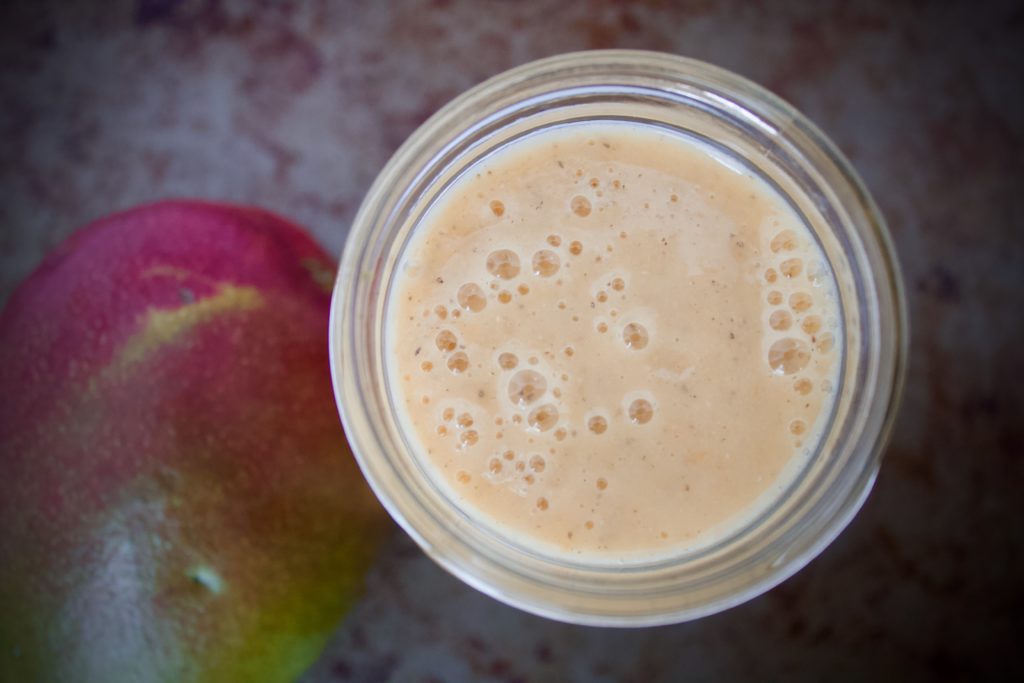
[164, 326]
[172, 271]
[321, 273]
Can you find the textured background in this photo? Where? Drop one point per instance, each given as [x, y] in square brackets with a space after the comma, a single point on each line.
[297, 105]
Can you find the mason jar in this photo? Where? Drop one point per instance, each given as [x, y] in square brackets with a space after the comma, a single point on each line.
[772, 141]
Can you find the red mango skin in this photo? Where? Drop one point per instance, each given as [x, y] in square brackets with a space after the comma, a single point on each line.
[177, 498]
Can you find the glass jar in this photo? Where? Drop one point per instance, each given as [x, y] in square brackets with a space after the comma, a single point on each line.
[744, 122]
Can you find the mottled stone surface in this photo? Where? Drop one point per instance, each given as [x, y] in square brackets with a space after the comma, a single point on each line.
[296, 105]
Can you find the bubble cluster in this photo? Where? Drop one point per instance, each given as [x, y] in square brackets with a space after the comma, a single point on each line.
[790, 354]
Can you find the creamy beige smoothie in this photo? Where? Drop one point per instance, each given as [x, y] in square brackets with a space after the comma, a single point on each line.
[610, 340]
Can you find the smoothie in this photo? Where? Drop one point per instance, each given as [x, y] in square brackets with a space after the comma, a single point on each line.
[612, 340]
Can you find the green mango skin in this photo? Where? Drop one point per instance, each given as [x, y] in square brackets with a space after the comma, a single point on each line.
[177, 498]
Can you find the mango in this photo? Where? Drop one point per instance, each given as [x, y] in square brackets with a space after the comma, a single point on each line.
[177, 498]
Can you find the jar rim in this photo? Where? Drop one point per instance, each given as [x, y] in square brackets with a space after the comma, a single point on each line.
[359, 294]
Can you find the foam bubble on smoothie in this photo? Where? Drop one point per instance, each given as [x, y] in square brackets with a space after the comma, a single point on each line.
[545, 263]
[635, 336]
[598, 424]
[800, 301]
[789, 355]
[580, 206]
[543, 418]
[784, 241]
[446, 340]
[791, 267]
[641, 411]
[503, 263]
[526, 387]
[458, 362]
[817, 273]
[471, 297]
[780, 320]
